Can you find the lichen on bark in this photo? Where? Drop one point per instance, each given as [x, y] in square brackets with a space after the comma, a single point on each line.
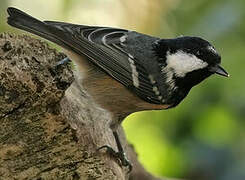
[49, 126]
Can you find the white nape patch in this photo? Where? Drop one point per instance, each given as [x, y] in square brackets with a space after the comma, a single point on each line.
[135, 74]
[182, 63]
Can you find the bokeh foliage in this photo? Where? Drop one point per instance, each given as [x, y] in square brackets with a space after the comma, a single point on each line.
[202, 138]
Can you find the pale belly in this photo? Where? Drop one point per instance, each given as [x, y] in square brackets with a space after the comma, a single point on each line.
[108, 93]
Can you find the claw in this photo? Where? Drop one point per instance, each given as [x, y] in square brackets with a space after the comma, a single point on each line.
[66, 60]
[121, 156]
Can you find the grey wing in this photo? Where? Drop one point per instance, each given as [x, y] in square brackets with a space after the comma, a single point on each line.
[106, 47]
[120, 53]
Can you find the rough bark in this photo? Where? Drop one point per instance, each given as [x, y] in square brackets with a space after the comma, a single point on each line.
[49, 127]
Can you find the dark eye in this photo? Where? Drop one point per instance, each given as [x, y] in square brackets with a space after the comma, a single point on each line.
[200, 52]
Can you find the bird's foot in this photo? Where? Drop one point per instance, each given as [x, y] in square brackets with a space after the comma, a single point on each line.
[120, 155]
[64, 61]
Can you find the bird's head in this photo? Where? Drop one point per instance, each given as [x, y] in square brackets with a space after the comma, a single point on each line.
[186, 61]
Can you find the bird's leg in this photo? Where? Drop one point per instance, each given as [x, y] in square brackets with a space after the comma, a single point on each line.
[66, 60]
[120, 154]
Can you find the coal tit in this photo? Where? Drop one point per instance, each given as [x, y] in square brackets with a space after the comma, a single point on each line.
[126, 71]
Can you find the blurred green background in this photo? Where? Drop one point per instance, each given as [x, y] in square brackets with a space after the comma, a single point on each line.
[202, 138]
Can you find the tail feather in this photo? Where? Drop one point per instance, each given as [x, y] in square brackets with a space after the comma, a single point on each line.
[28, 23]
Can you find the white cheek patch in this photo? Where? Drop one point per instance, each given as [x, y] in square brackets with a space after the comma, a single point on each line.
[182, 63]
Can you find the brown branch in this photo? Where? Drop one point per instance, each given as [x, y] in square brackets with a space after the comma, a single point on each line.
[49, 127]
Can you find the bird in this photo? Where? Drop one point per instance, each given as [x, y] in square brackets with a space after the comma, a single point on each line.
[126, 71]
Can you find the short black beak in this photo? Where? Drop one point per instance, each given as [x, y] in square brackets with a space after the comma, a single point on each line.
[219, 70]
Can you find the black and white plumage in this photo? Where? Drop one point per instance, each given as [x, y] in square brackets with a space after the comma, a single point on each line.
[130, 71]
[159, 71]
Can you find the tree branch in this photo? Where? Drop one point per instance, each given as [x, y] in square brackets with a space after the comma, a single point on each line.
[50, 127]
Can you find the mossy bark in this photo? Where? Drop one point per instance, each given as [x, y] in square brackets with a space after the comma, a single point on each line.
[49, 127]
